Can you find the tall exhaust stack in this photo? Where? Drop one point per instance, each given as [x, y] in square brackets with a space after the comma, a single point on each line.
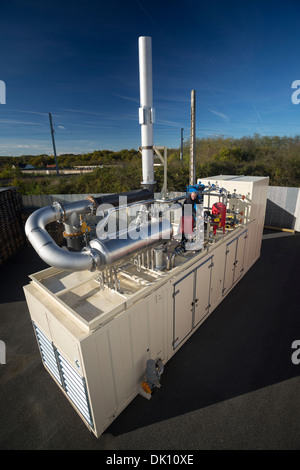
[146, 111]
[193, 139]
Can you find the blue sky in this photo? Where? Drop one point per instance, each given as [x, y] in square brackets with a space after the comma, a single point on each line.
[79, 61]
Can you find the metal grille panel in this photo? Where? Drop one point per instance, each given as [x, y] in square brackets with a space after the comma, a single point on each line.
[72, 383]
[75, 388]
[48, 353]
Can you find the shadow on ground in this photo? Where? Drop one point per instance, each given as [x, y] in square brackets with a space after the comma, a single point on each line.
[243, 346]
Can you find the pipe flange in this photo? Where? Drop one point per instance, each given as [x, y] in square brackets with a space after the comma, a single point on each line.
[61, 210]
[146, 147]
[72, 235]
[94, 256]
[94, 204]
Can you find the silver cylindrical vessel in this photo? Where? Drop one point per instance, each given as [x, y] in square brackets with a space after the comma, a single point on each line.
[128, 242]
[159, 257]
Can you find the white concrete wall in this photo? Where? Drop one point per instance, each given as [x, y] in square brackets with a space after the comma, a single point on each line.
[283, 207]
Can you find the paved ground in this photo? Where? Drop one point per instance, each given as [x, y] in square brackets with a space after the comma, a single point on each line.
[233, 385]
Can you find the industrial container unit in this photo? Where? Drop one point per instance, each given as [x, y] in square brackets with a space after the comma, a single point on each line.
[95, 339]
[131, 290]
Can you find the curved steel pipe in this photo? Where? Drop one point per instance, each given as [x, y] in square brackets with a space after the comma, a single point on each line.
[44, 245]
[89, 258]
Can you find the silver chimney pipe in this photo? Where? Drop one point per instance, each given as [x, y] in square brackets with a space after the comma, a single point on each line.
[146, 111]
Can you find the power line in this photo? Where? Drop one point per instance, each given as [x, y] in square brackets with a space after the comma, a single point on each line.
[53, 142]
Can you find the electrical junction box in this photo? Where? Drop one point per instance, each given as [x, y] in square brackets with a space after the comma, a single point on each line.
[95, 342]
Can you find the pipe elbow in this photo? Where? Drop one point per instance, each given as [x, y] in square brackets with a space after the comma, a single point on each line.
[49, 251]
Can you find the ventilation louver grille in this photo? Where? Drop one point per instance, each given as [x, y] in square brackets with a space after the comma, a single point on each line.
[72, 383]
[48, 354]
[75, 388]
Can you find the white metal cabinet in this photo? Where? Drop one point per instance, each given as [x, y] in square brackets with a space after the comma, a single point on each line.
[202, 290]
[183, 310]
[234, 261]
[191, 301]
[240, 254]
[229, 266]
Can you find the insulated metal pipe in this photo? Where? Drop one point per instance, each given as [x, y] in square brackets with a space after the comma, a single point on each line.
[131, 197]
[48, 250]
[100, 253]
[131, 241]
[45, 246]
[146, 111]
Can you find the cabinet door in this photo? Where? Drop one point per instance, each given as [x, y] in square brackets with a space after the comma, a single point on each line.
[239, 260]
[183, 308]
[229, 266]
[202, 292]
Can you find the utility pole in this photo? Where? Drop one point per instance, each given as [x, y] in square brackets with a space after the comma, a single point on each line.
[192, 143]
[53, 142]
[181, 146]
